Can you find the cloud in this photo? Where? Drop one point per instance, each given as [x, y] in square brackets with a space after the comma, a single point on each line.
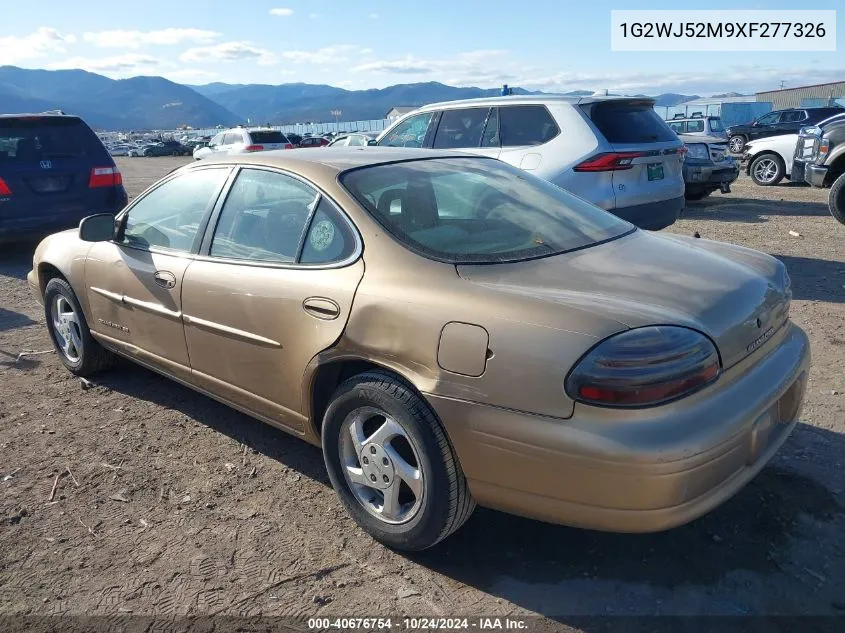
[227, 52]
[136, 39]
[482, 66]
[41, 43]
[337, 54]
[281, 12]
[127, 65]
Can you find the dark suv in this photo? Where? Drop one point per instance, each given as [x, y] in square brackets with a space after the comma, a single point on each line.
[820, 160]
[777, 122]
[54, 171]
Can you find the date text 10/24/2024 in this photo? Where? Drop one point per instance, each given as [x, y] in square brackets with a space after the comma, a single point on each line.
[417, 624]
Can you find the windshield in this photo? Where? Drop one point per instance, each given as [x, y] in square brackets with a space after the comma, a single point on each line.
[716, 125]
[477, 210]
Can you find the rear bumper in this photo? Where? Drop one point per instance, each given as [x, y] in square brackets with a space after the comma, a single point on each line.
[652, 215]
[640, 470]
[710, 175]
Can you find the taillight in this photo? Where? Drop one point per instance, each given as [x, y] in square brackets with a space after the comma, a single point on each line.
[105, 177]
[644, 367]
[254, 148]
[288, 146]
[609, 161]
[4, 188]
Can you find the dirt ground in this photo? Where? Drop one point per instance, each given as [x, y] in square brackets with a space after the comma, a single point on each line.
[177, 505]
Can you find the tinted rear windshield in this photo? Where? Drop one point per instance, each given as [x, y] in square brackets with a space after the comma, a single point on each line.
[477, 210]
[36, 139]
[267, 136]
[626, 122]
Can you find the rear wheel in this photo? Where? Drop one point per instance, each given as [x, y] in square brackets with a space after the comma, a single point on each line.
[836, 202]
[767, 170]
[392, 465]
[68, 329]
[736, 144]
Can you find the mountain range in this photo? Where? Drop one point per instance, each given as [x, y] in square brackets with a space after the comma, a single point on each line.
[157, 103]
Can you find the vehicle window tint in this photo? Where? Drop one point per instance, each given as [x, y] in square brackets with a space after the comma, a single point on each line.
[263, 218]
[695, 126]
[677, 127]
[232, 137]
[357, 141]
[329, 238]
[340, 142]
[490, 138]
[769, 119]
[217, 140]
[408, 133]
[793, 117]
[460, 128]
[267, 136]
[33, 140]
[526, 125]
[169, 216]
[716, 125]
[627, 122]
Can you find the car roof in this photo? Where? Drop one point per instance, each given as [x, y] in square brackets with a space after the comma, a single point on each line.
[528, 100]
[39, 115]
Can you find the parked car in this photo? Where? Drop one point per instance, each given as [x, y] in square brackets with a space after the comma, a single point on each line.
[507, 343]
[616, 152]
[295, 139]
[775, 123]
[697, 125]
[769, 160]
[166, 148]
[53, 172]
[314, 141]
[241, 140]
[820, 161]
[359, 139]
[707, 166]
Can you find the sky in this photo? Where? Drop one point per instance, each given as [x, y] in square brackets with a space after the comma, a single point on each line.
[552, 45]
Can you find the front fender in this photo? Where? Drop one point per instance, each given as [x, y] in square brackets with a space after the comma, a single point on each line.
[66, 253]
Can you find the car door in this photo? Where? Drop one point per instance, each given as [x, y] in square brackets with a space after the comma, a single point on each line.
[765, 126]
[473, 130]
[134, 282]
[522, 130]
[409, 132]
[791, 121]
[272, 287]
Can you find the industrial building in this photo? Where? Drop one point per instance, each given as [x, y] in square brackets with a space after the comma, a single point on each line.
[805, 96]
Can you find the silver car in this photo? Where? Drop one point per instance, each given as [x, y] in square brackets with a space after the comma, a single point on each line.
[242, 140]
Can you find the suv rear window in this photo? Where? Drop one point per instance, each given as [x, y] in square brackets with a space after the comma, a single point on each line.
[626, 122]
[526, 125]
[34, 139]
[267, 136]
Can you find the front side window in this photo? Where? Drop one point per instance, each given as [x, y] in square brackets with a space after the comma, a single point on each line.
[770, 119]
[170, 215]
[460, 128]
[408, 133]
[263, 218]
[526, 125]
[476, 210]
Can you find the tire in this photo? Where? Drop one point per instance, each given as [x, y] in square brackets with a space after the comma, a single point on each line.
[836, 201]
[767, 170]
[737, 143]
[696, 194]
[87, 355]
[377, 400]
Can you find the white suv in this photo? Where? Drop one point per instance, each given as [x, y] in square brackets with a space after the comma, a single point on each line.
[615, 152]
[241, 140]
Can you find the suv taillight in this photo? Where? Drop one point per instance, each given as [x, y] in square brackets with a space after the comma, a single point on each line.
[609, 161]
[288, 146]
[253, 148]
[105, 177]
[4, 188]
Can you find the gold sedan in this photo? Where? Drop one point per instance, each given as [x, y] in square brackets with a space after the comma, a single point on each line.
[451, 331]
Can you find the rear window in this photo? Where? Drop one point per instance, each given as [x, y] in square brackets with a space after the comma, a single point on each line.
[267, 136]
[625, 122]
[526, 125]
[37, 139]
[477, 210]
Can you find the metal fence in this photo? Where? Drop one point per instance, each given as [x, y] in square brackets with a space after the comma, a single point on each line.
[373, 125]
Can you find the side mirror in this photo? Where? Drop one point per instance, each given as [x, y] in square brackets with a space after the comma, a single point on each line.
[97, 228]
[372, 141]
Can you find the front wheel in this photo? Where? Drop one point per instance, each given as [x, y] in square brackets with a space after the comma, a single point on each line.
[836, 202]
[68, 329]
[767, 170]
[391, 464]
[736, 144]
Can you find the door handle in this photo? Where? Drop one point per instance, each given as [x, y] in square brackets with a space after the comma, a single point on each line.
[164, 278]
[321, 308]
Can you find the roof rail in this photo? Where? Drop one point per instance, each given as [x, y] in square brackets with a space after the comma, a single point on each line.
[60, 112]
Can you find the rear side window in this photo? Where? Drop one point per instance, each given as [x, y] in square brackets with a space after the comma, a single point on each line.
[232, 137]
[695, 126]
[460, 128]
[626, 122]
[37, 139]
[267, 136]
[526, 125]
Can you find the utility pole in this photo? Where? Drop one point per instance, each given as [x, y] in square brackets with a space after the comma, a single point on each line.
[782, 82]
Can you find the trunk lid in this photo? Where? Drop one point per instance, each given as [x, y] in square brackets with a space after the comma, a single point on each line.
[734, 295]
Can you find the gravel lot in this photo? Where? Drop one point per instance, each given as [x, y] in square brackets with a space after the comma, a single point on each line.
[178, 505]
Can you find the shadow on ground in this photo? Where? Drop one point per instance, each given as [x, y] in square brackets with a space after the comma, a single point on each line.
[16, 258]
[728, 208]
[815, 279]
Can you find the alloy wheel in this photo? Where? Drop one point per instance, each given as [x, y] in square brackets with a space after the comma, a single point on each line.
[765, 170]
[736, 144]
[66, 328]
